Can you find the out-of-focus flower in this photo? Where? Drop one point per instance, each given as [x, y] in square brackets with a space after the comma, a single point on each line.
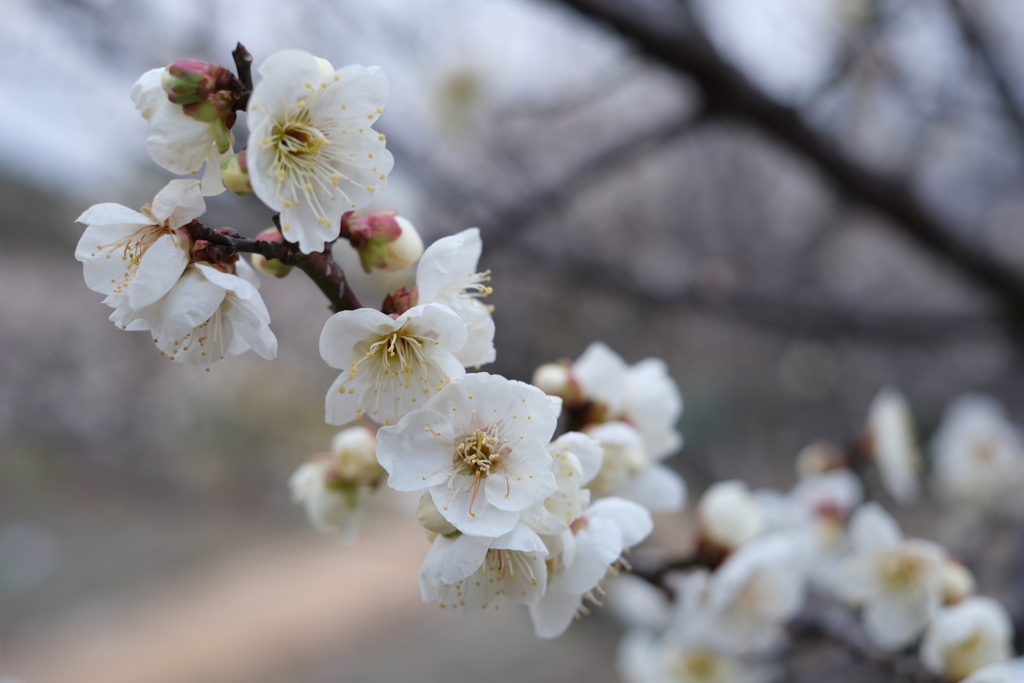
[136, 258]
[210, 314]
[315, 154]
[967, 637]
[1007, 672]
[978, 457]
[890, 433]
[729, 516]
[190, 109]
[628, 472]
[480, 447]
[332, 486]
[585, 554]
[643, 395]
[645, 658]
[757, 590]
[819, 457]
[897, 581]
[555, 379]
[390, 366]
[957, 582]
[638, 603]
[447, 274]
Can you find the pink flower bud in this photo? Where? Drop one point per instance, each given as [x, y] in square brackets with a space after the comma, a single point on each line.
[270, 266]
[207, 92]
[234, 171]
[385, 240]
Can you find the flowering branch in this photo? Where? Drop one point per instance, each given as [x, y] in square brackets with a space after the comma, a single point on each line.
[319, 266]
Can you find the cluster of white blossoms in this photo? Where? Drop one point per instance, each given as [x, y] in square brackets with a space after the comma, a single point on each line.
[514, 510]
[765, 558]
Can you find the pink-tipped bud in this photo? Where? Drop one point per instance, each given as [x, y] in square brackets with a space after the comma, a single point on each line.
[385, 240]
[234, 172]
[270, 266]
[400, 301]
[207, 92]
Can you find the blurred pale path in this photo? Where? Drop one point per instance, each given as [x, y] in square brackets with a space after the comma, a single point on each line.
[280, 607]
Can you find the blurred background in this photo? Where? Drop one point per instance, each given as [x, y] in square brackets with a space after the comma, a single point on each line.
[793, 202]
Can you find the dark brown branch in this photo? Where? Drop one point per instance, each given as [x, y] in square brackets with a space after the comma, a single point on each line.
[320, 266]
[729, 92]
[243, 64]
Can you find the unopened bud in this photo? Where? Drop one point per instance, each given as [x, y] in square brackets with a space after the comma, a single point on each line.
[431, 519]
[234, 172]
[207, 92]
[729, 516]
[957, 582]
[400, 301]
[385, 241]
[270, 266]
[355, 456]
[818, 458]
[555, 379]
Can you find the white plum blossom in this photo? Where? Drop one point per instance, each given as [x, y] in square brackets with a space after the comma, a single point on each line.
[978, 457]
[890, 432]
[133, 257]
[756, 591]
[897, 581]
[390, 365]
[967, 637]
[582, 556]
[576, 459]
[177, 141]
[628, 472]
[1007, 672]
[638, 603]
[729, 516]
[210, 314]
[646, 658]
[447, 274]
[315, 154]
[479, 446]
[470, 573]
[332, 486]
[643, 395]
[957, 582]
[633, 411]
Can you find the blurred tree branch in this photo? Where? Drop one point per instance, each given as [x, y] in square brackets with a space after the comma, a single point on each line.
[975, 39]
[677, 43]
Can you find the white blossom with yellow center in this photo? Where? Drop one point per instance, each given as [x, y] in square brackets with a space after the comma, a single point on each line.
[480, 447]
[473, 573]
[133, 257]
[967, 637]
[391, 366]
[209, 315]
[313, 153]
[897, 581]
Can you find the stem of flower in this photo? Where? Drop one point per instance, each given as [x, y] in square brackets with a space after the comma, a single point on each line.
[320, 266]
